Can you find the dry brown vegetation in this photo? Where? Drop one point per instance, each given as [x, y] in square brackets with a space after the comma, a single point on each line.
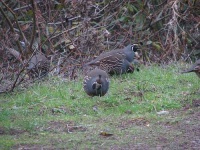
[71, 32]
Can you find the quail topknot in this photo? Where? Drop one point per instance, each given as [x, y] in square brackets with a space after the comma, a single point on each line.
[38, 65]
[96, 83]
[116, 61]
[194, 68]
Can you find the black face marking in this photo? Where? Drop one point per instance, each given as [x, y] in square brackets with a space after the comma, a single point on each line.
[99, 87]
[94, 85]
[134, 48]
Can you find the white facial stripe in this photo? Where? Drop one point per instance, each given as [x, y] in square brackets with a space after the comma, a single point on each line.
[132, 47]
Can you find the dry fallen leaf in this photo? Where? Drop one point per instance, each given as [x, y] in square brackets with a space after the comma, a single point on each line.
[103, 133]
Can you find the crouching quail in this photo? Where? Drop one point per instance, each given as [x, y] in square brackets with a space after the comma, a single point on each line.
[96, 83]
[116, 61]
[194, 68]
[38, 65]
[123, 67]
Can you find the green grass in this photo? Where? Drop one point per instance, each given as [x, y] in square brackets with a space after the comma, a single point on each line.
[40, 116]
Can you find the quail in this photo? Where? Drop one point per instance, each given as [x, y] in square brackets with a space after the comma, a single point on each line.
[123, 67]
[194, 68]
[38, 65]
[96, 83]
[115, 61]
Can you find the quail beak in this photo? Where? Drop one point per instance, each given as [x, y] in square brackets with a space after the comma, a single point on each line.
[137, 56]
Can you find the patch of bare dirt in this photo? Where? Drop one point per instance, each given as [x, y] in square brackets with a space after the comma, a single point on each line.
[196, 103]
[134, 122]
[32, 147]
[62, 126]
[190, 129]
[4, 131]
[180, 130]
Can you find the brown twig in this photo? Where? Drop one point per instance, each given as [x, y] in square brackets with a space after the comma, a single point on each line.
[10, 24]
[34, 24]
[18, 75]
[16, 20]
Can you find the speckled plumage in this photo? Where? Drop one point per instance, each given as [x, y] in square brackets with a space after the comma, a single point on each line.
[115, 61]
[38, 65]
[96, 83]
[124, 67]
[194, 68]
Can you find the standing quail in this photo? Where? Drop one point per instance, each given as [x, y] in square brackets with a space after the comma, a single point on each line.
[194, 68]
[115, 61]
[38, 66]
[96, 83]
